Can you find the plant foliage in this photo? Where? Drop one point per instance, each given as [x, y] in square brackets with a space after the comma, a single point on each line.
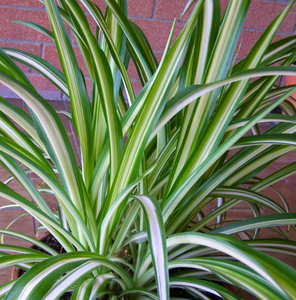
[131, 214]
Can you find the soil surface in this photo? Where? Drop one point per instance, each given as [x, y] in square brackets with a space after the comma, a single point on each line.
[52, 243]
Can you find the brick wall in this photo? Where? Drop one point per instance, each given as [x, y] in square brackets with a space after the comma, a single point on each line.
[155, 17]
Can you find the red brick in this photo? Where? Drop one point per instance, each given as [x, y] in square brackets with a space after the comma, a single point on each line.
[246, 41]
[92, 24]
[281, 164]
[24, 3]
[68, 105]
[132, 71]
[262, 13]
[42, 84]
[279, 37]
[21, 32]
[170, 10]
[158, 56]
[288, 193]
[58, 106]
[23, 225]
[45, 88]
[89, 86]
[266, 172]
[30, 48]
[16, 102]
[157, 32]
[140, 8]
[238, 214]
[100, 3]
[289, 156]
[51, 55]
[224, 4]
[137, 87]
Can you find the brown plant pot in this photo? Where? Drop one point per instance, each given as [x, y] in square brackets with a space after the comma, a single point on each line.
[15, 273]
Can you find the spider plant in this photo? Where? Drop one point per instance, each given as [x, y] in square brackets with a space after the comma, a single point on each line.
[131, 215]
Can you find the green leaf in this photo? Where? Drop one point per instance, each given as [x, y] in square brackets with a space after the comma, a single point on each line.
[104, 82]
[98, 17]
[51, 224]
[191, 93]
[154, 100]
[37, 281]
[264, 221]
[157, 243]
[29, 240]
[278, 274]
[141, 60]
[189, 182]
[42, 66]
[235, 273]
[80, 107]
[21, 118]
